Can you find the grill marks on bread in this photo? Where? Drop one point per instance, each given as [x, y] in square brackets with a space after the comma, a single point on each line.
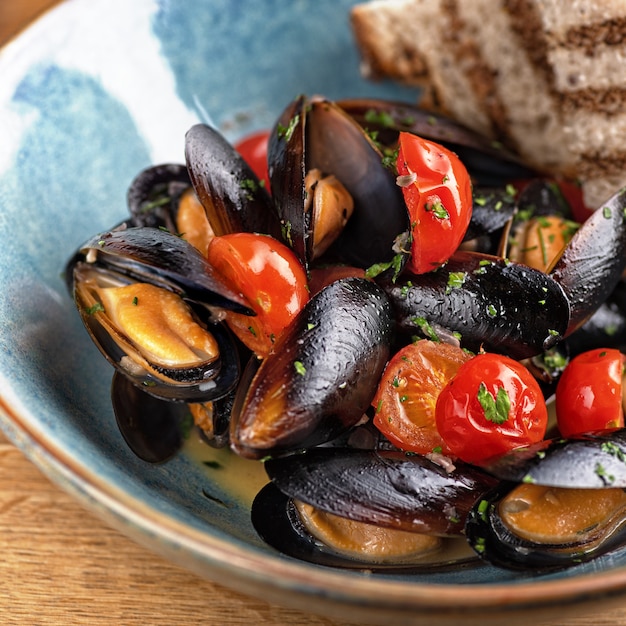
[541, 78]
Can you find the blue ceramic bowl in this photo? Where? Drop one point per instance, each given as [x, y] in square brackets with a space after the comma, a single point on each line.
[91, 94]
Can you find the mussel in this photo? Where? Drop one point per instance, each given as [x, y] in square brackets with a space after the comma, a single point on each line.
[232, 195]
[153, 428]
[315, 135]
[501, 306]
[320, 377]
[134, 286]
[560, 502]
[154, 194]
[314, 493]
[592, 264]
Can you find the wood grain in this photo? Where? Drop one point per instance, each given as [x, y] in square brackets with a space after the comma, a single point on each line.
[61, 566]
[15, 14]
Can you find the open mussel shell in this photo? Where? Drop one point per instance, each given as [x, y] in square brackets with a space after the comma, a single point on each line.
[146, 255]
[231, 193]
[276, 520]
[488, 162]
[383, 487]
[316, 134]
[320, 377]
[490, 302]
[501, 544]
[161, 258]
[560, 502]
[152, 427]
[196, 383]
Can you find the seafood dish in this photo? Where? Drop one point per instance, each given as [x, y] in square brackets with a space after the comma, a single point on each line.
[379, 310]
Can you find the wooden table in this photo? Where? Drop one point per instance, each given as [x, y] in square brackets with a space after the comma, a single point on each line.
[62, 566]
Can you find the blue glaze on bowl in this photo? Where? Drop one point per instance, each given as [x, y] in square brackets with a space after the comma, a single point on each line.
[85, 104]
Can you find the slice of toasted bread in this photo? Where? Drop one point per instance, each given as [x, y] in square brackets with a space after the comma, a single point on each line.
[547, 81]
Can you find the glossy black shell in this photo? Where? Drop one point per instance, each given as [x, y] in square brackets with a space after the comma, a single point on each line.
[321, 375]
[500, 306]
[384, 487]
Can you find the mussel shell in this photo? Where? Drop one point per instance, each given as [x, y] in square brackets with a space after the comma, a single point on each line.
[492, 209]
[208, 381]
[543, 197]
[384, 487]
[153, 195]
[277, 522]
[488, 162]
[231, 193]
[606, 328]
[321, 135]
[158, 257]
[588, 461]
[501, 306]
[321, 375]
[496, 543]
[593, 262]
[152, 427]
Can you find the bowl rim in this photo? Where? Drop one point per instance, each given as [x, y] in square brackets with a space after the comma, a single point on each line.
[224, 557]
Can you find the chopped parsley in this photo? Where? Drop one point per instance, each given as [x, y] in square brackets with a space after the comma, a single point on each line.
[437, 209]
[601, 472]
[496, 409]
[381, 118]
[614, 450]
[425, 327]
[96, 308]
[483, 507]
[455, 280]
[396, 263]
[286, 132]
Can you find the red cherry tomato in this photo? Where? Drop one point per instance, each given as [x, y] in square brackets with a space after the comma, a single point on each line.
[272, 279]
[253, 148]
[407, 394]
[491, 406]
[589, 393]
[438, 194]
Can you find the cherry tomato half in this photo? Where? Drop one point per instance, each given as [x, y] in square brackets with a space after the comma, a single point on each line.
[491, 406]
[272, 279]
[589, 393]
[438, 194]
[253, 148]
[407, 394]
